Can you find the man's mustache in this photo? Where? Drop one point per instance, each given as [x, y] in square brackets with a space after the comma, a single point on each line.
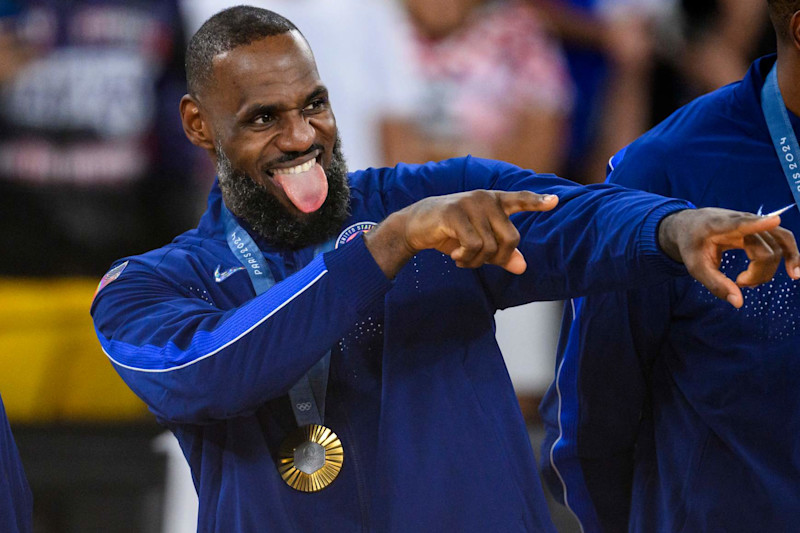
[291, 156]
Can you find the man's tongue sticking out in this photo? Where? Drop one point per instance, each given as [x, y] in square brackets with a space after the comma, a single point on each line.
[307, 190]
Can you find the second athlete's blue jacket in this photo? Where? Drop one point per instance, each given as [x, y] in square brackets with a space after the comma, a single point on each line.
[16, 501]
[418, 391]
[669, 406]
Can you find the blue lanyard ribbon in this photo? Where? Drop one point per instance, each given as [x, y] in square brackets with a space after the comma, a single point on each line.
[307, 396]
[781, 131]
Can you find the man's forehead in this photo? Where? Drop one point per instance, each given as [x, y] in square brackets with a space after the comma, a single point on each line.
[276, 70]
[276, 52]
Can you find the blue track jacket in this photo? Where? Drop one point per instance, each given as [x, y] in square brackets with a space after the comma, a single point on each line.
[418, 391]
[670, 406]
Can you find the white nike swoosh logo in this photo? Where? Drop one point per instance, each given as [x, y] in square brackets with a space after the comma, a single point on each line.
[780, 211]
[219, 277]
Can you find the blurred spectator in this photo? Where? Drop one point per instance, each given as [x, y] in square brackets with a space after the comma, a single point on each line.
[721, 37]
[373, 90]
[610, 46]
[93, 164]
[635, 61]
[496, 84]
[711, 44]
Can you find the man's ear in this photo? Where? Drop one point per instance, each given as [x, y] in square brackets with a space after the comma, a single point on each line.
[794, 28]
[195, 127]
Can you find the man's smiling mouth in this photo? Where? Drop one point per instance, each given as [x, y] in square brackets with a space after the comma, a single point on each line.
[290, 165]
[303, 167]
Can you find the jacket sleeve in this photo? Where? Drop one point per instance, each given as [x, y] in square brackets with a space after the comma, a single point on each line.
[193, 362]
[599, 238]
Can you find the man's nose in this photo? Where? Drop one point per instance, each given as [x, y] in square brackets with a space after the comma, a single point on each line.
[296, 135]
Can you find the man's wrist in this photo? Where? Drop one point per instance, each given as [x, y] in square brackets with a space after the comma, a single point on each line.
[388, 245]
[668, 232]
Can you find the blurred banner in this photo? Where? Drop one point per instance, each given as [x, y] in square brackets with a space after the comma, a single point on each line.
[51, 366]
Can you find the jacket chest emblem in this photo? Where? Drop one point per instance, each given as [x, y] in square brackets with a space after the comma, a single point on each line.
[220, 276]
[352, 231]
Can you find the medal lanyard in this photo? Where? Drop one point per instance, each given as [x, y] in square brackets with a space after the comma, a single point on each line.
[781, 131]
[307, 395]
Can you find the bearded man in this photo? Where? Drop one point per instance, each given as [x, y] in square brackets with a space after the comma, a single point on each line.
[314, 346]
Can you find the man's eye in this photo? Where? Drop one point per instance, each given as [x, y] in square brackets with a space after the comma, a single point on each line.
[319, 103]
[263, 119]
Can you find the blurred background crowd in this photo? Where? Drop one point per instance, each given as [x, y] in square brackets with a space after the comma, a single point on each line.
[94, 166]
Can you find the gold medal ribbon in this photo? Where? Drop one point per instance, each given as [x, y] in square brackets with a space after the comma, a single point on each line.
[310, 458]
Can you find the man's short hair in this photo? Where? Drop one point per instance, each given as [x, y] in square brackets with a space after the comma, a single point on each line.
[228, 29]
[780, 12]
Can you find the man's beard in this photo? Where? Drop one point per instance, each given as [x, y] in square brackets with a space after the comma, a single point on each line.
[272, 220]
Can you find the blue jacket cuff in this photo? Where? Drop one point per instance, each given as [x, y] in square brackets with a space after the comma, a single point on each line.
[649, 247]
[361, 276]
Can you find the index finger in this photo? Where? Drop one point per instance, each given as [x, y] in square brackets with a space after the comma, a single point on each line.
[750, 224]
[519, 201]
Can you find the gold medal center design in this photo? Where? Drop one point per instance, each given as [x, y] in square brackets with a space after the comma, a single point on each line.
[310, 458]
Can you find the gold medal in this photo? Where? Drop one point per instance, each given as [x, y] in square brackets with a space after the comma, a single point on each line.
[310, 458]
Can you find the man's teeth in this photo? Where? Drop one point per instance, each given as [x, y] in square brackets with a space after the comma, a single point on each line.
[298, 169]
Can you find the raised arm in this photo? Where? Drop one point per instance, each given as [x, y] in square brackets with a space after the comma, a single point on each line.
[579, 239]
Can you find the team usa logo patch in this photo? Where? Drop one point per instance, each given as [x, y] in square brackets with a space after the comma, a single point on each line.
[351, 232]
[110, 276]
